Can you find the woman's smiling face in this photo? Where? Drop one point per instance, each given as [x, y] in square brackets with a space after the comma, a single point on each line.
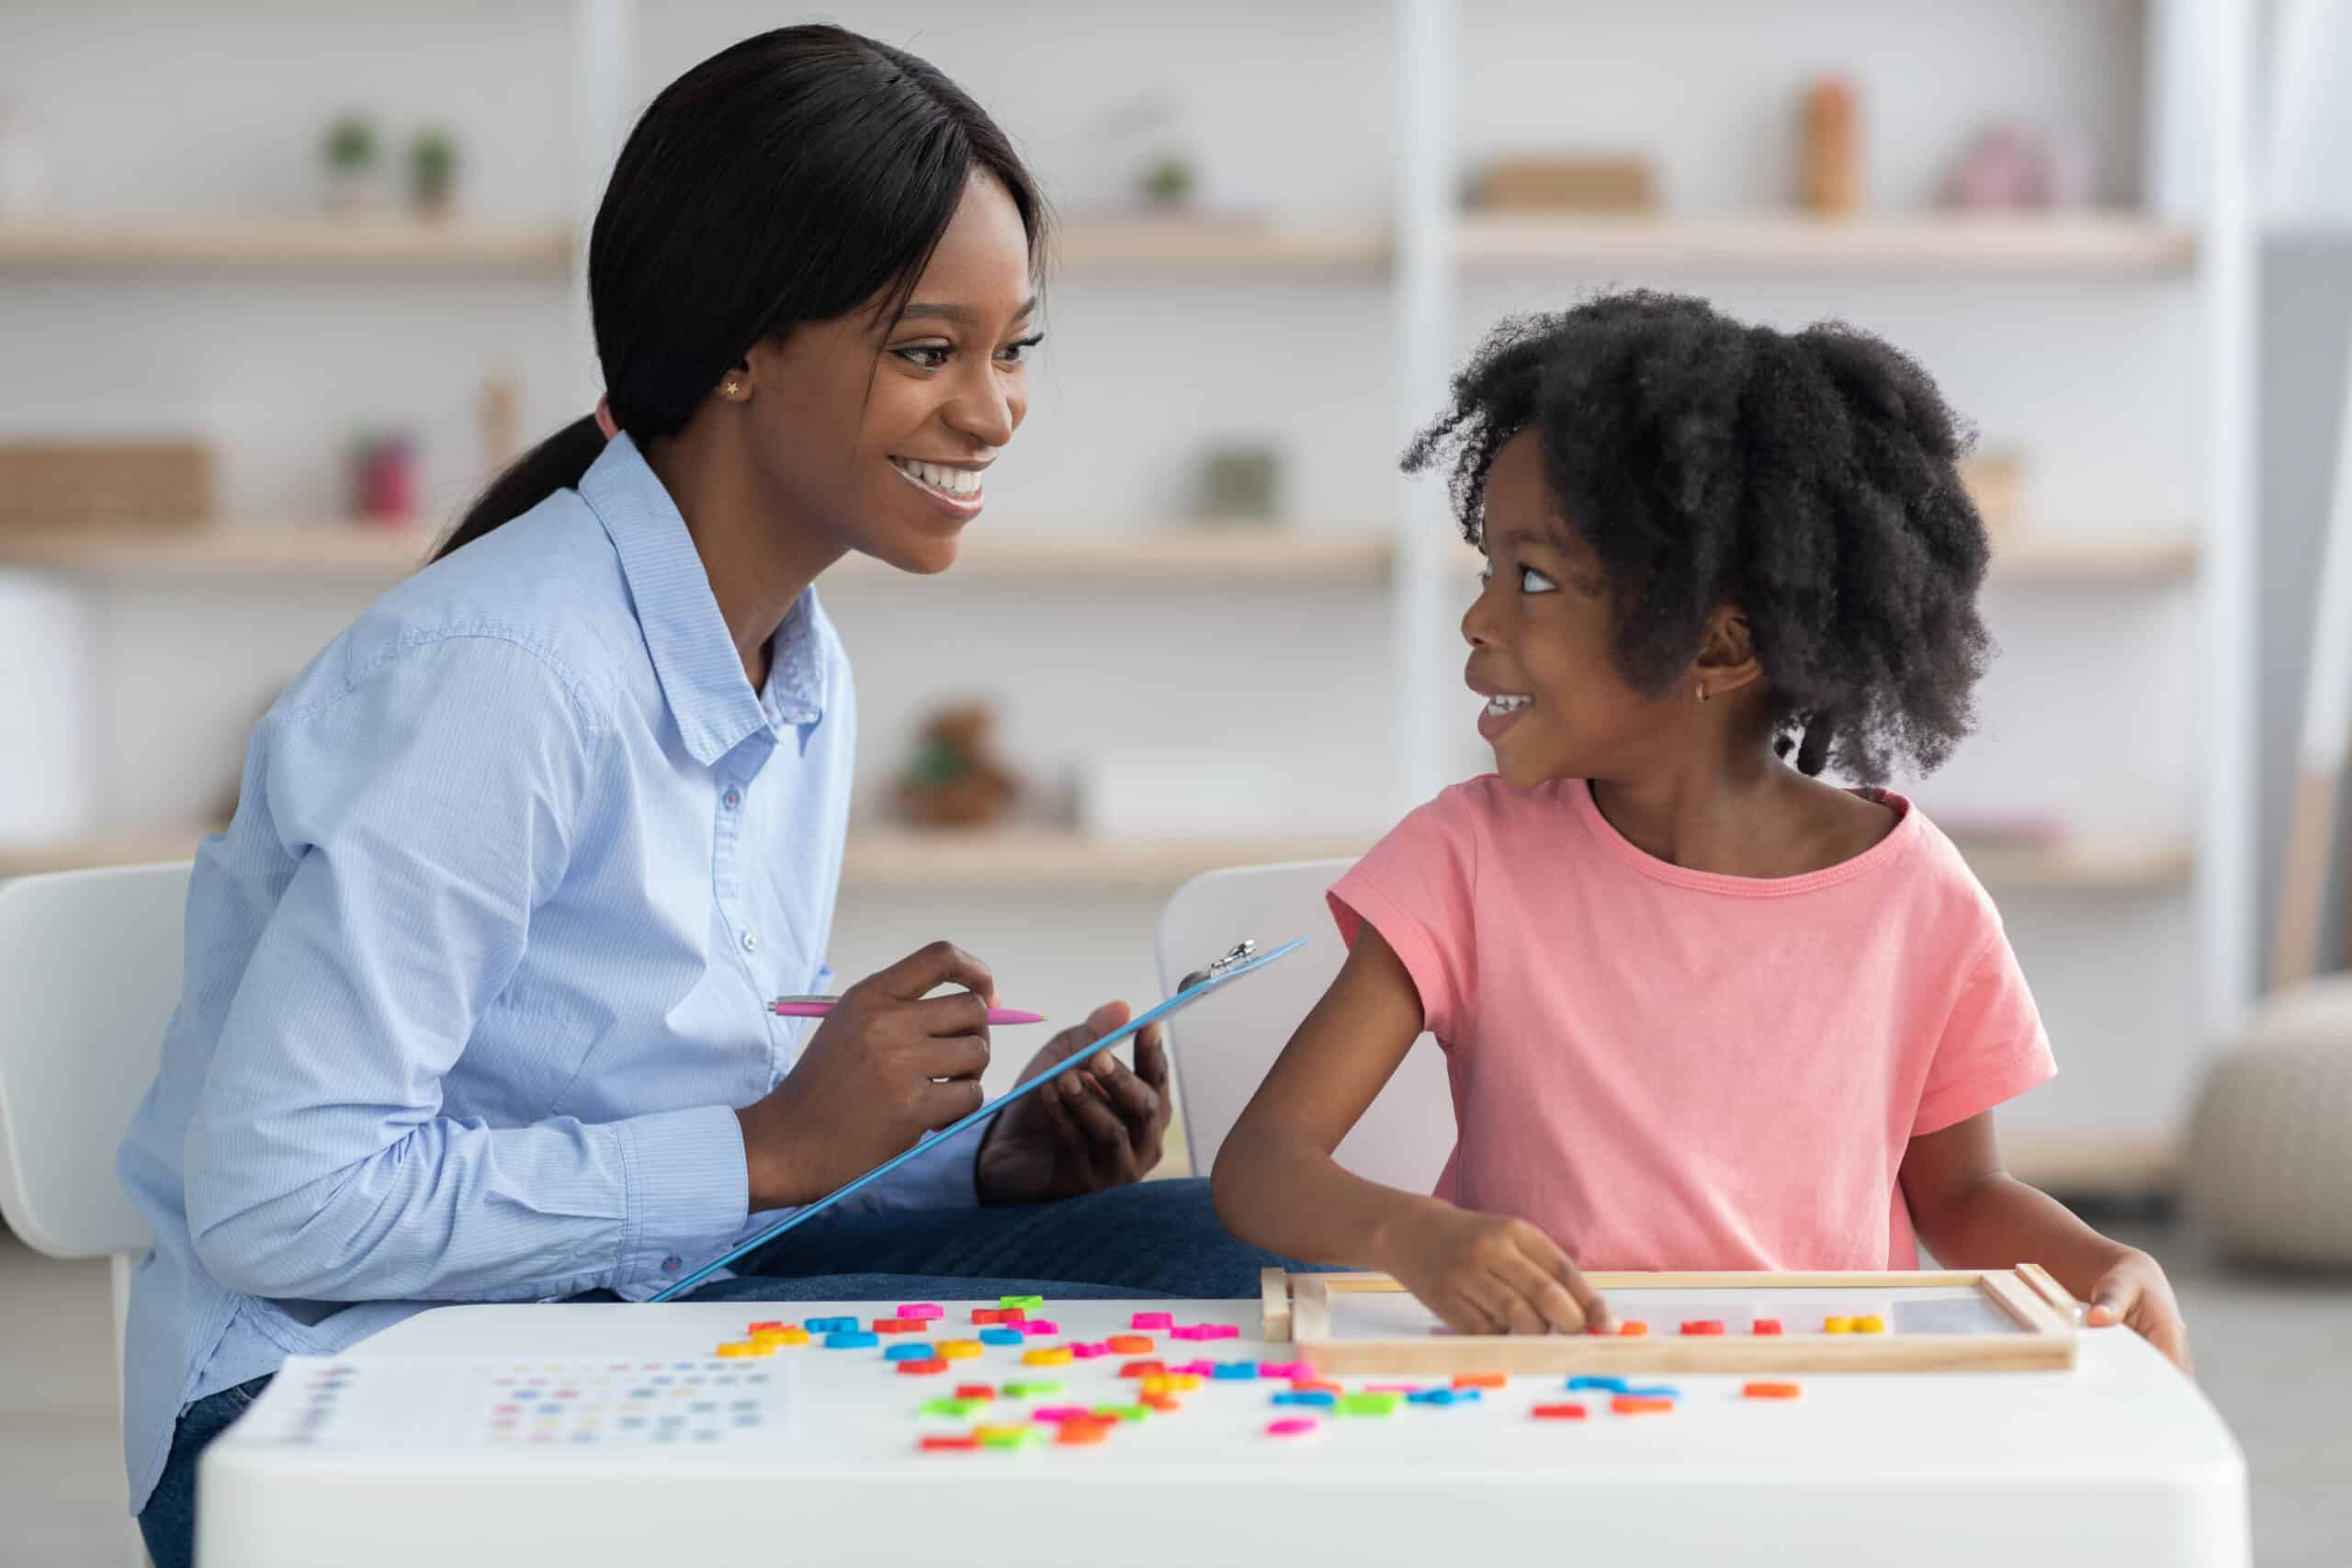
[878, 431]
[1540, 636]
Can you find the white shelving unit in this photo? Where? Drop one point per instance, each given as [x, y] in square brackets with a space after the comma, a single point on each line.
[1412, 271]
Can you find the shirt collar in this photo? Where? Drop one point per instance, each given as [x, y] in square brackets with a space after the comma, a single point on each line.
[695, 659]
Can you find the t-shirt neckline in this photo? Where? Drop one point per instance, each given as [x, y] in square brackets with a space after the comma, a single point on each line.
[1898, 839]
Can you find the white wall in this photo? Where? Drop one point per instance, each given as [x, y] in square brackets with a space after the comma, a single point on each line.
[1288, 104]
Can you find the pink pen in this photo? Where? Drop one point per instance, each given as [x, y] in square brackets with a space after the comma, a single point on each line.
[818, 1007]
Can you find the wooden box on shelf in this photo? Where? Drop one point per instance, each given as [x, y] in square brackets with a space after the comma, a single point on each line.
[1566, 181]
[158, 481]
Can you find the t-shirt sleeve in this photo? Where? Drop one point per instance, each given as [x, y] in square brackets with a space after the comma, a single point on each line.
[1994, 1047]
[1416, 888]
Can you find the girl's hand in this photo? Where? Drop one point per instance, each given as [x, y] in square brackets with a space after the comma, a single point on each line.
[1096, 1126]
[1491, 1273]
[2135, 1292]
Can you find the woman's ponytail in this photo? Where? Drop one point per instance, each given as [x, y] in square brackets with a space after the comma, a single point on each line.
[558, 463]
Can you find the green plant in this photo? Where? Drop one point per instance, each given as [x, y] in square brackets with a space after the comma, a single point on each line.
[350, 144]
[434, 158]
[433, 163]
[1170, 179]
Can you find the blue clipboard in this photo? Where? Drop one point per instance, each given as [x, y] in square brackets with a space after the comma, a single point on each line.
[1220, 974]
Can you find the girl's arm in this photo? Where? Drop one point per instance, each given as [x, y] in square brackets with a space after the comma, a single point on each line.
[1972, 1215]
[1276, 1185]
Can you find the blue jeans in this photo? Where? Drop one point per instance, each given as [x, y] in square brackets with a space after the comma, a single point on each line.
[1158, 1238]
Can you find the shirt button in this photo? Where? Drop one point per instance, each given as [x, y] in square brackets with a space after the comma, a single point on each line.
[751, 942]
[733, 798]
[670, 1264]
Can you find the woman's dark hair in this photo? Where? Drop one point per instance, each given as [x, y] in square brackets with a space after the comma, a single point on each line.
[1808, 478]
[790, 178]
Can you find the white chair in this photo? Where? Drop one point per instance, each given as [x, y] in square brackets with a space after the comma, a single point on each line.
[1223, 1045]
[89, 974]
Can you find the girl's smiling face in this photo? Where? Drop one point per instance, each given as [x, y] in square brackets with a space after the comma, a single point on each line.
[1540, 640]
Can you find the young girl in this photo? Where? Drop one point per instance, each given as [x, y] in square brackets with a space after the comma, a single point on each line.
[1699, 1009]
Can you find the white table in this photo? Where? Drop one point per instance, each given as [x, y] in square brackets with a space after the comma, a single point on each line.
[2119, 1461]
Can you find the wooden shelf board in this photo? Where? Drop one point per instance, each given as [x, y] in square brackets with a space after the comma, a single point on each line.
[1183, 551]
[2093, 244]
[305, 549]
[2059, 557]
[1033, 858]
[2119, 867]
[355, 550]
[2118, 1164]
[2087, 243]
[1049, 859]
[333, 550]
[892, 858]
[404, 243]
[1145, 245]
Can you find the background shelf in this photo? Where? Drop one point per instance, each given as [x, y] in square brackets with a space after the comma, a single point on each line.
[280, 243]
[1313, 554]
[2095, 246]
[1045, 858]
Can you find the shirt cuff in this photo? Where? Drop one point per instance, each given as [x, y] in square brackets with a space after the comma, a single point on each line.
[936, 1179]
[689, 1190]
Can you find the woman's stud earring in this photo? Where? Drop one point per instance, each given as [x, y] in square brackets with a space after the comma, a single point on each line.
[1703, 690]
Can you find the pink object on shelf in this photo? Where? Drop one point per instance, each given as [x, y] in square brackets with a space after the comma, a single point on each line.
[1222, 1330]
[1392, 1388]
[923, 1312]
[384, 479]
[1197, 1369]
[1087, 1352]
[1194, 1332]
[1152, 1320]
[1037, 1326]
[1289, 1370]
[1057, 1413]
[1293, 1426]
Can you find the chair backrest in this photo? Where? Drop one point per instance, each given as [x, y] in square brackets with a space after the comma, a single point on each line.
[1223, 1044]
[89, 974]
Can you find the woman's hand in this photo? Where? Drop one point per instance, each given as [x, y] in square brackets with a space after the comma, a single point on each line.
[2135, 1292]
[1490, 1273]
[888, 1064]
[1096, 1126]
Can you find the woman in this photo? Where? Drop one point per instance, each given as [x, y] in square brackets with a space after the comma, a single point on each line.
[475, 980]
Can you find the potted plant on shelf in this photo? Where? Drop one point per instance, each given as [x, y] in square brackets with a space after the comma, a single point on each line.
[431, 171]
[350, 152]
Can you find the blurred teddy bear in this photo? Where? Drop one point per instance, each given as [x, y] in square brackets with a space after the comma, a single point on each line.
[955, 779]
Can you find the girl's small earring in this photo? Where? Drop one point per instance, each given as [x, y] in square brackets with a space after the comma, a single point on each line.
[732, 388]
[1703, 690]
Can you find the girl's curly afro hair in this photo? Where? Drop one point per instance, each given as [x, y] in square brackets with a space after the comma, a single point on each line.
[1807, 478]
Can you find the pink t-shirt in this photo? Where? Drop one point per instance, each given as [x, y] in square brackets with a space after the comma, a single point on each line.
[1667, 1068]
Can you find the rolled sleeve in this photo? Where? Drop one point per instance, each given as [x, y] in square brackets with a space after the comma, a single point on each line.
[1417, 888]
[1994, 1047]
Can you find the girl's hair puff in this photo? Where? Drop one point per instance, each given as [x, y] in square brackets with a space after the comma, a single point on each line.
[1809, 477]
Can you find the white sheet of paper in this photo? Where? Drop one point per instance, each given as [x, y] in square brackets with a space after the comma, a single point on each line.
[425, 1404]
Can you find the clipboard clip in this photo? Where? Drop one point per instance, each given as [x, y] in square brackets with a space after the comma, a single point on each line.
[1240, 953]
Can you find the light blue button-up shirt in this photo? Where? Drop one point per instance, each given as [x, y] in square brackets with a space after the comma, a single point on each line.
[478, 973]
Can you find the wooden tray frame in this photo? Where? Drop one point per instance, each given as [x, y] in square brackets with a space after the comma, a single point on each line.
[1297, 1311]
